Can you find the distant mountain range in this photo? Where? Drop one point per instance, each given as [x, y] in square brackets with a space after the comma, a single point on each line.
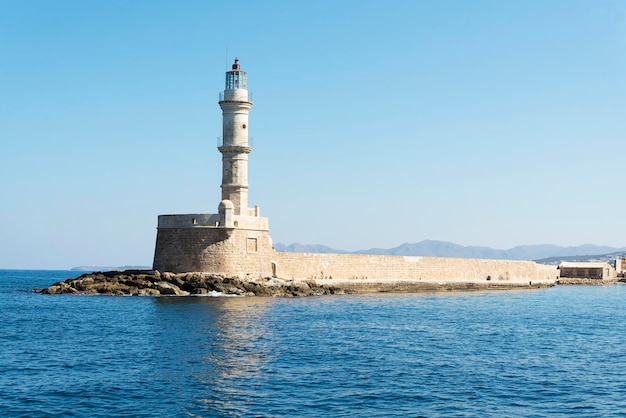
[611, 257]
[542, 253]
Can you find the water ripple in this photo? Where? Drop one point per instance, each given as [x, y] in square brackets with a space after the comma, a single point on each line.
[553, 352]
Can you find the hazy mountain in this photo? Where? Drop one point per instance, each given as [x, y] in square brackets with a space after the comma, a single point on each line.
[448, 249]
[435, 249]
[588, 249]
[546, 254]
[306, 248]
[609, 258]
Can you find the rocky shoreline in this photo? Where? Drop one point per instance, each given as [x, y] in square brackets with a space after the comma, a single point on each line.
[154, 283]
[589, 282]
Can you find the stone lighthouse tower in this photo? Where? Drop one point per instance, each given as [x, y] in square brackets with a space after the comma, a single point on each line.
[235, 241]
[234, 145]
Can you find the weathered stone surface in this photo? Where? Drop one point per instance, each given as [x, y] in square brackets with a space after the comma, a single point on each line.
[148, 292]
[166, 288]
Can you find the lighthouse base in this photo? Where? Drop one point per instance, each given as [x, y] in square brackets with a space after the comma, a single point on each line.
[200, 243]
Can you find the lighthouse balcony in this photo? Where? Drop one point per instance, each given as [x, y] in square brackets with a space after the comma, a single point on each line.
[226, 144]
[236, 95]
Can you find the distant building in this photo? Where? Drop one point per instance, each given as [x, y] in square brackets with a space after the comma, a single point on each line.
[587, 270]
[620, 266]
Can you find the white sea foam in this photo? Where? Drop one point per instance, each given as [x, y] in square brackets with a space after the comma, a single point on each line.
[214, 294]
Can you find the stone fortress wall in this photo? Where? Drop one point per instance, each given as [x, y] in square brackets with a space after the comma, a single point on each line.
[240, 246]
[194, 243]
[404, 268]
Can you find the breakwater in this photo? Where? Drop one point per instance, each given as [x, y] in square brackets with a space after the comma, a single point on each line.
[154, 283]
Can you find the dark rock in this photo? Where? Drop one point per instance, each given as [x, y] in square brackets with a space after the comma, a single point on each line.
[166, 288]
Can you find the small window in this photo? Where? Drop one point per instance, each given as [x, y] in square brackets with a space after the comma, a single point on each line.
[194, 221]
[252, 245]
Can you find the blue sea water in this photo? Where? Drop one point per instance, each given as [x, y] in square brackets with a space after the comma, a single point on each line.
[550, 352]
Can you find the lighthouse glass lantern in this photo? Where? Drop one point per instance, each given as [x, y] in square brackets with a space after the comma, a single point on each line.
[236, 78]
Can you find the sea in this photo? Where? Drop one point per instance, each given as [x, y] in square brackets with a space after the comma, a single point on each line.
[555, 352]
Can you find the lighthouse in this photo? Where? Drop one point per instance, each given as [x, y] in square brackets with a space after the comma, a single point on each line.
[234, 144]
[235, 241]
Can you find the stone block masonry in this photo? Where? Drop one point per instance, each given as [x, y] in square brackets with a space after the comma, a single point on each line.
[362, 267]
[200, 243]
[229, 252]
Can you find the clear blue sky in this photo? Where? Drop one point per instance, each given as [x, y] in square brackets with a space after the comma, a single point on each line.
[492, 123]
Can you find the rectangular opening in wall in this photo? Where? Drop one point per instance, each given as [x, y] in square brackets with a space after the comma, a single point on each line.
[252, 245]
